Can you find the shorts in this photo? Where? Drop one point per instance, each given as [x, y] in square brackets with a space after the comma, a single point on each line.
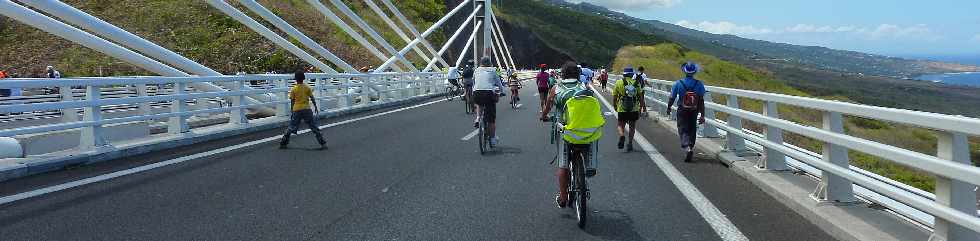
[468, 83]
[543, 91]
[629, 116]
[577, 148]
[487, 99]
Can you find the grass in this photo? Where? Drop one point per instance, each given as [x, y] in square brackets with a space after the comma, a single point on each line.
[203, 34]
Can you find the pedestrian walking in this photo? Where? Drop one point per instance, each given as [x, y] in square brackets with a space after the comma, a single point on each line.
[300, 98]
[690, 107]
[629, 102]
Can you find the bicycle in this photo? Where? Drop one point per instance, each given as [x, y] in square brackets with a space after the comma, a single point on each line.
[578, 188]
[452, 91]
[513, 97]
[485, 145]
[468, 101]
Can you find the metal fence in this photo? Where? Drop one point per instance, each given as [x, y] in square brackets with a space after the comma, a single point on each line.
[81, 102]
[953, 205]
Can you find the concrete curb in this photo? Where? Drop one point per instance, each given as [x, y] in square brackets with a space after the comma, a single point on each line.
[852, 222]
[12, 168]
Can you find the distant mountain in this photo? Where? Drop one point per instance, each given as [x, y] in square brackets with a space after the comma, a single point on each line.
[746, 51]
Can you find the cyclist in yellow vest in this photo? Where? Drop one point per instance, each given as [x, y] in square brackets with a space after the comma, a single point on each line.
[582, 119]
[300, 98]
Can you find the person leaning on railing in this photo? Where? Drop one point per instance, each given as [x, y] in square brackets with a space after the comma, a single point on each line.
[691, 93]
[300, 98]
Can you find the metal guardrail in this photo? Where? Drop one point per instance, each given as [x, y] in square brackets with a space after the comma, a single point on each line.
[333, 92]
[954, 203]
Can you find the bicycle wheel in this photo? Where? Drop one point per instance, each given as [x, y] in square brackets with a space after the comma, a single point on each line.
[581, 193]
[449, 93]
[482, 136]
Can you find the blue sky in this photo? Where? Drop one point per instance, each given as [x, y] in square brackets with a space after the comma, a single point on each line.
[891, 27]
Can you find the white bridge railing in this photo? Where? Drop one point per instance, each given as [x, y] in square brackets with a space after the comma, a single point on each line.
[954, 204]
[333, 92]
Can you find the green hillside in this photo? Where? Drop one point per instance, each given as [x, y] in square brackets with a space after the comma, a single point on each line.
[201, 33]
[584, 37]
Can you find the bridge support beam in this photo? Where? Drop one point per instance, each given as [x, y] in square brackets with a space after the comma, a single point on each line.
[411, 28]
[952, 193]
[271, 17]
[178, 124]
[774, 160]
[834, 188]
[708, 131]
[92, 137]
[735, 142]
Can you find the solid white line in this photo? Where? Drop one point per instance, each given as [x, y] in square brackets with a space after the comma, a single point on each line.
[722, 226]
[519, 105]
[467, 137]
[103, 177]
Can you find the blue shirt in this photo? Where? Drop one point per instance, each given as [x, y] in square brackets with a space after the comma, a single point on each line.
[692, 84]
[586, 76]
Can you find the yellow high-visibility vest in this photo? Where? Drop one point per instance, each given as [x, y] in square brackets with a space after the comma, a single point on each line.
[583, 120]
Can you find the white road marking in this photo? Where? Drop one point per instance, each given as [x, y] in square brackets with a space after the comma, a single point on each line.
[722, 226]
[467, 137]
[103, 177]
[536, 94]
[519, 105]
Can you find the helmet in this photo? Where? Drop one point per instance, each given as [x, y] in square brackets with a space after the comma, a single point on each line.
[689, 68]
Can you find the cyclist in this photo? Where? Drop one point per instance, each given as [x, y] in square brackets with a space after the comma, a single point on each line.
[515, 87]
[581, 115]
[486, 82]
[468, 82]
[453, 77]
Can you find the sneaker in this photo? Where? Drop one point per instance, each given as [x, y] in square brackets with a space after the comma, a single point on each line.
[493, 141]
[629, 147]
[622, 140]
[558, 201]
[323, 146]
[690, 154]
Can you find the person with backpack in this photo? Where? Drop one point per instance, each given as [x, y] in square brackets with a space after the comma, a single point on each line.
[468, 83]
[300, 98]
[581, 114]
[543, 80]
[629, 102]
[690, 91]
[603, 78]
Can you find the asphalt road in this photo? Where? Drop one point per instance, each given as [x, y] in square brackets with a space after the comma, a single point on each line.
[407, 176]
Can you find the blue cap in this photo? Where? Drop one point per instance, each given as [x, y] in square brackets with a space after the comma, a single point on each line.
[628, 69]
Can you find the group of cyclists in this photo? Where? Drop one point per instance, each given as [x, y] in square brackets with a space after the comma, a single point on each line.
[568, 100]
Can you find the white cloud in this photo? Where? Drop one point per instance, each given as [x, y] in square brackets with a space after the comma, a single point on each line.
[623, 5]
[725, 27]
[806, 28]
[891, 31]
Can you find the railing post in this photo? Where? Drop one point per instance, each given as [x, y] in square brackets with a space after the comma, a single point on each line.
[67, 114]
[144, 107]
[282, 109]
[834, 188]
[178, 124]
[735, 142]
[348, 96]
[92, 137]
[953, 193]
[366, 91]
[237, 115]
[318, 93]
[709, 130]
[774, 160]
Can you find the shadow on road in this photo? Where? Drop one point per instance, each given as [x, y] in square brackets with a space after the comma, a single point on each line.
[612, 225]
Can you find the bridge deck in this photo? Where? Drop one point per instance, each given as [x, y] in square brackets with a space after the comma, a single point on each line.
[403, 175]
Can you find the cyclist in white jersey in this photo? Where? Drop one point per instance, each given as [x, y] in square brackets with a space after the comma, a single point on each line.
[486, 83]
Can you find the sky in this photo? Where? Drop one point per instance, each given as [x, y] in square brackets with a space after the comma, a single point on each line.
[889, 27]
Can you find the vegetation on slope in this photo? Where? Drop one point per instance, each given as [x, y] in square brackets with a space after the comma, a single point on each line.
[201, 33]
[587, 38]
[662, 62]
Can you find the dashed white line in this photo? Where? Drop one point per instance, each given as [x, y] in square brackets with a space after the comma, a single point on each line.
[711, 214]
[103, 177]
[467, 137]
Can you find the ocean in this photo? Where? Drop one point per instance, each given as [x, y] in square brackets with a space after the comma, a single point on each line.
[968, 79]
